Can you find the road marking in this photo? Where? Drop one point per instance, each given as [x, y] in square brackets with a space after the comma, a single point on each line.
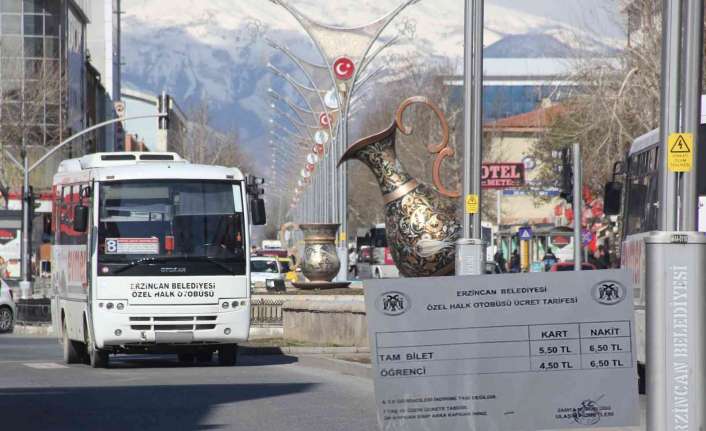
[44, 365]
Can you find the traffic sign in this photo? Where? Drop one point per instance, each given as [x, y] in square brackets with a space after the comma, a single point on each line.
[586, 236]
[471, 204]
[343, 68]
[525, 233]
[681, 155]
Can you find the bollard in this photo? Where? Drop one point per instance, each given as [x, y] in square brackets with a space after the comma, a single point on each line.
[675, 275]
[470, 256]
[25, 289]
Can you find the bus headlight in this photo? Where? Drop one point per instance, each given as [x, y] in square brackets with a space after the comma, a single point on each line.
[109, 306]
[120, 306]
[234, 304]
[225, 304]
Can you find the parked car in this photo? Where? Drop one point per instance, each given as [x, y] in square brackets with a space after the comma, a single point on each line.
[264, 268]
[7, 308]
[569, 266]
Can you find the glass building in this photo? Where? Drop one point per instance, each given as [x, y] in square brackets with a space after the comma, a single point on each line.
[42, 76]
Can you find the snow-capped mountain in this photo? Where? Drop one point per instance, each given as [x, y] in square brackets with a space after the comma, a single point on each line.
[214, 50]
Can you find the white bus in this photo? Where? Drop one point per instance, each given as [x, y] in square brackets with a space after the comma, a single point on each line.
[150, 255]
[636, 199]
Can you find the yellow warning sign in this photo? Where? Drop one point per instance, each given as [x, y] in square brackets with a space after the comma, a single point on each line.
[342, 236]
[471, 204]
[680, 157]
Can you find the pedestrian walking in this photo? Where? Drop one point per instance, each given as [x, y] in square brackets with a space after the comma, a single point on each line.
[499, 258]
[515, 261]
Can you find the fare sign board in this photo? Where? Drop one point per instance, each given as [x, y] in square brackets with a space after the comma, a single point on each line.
[502, 175]
[504, 352]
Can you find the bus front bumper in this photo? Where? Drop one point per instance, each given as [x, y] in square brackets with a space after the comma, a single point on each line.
[191, 325]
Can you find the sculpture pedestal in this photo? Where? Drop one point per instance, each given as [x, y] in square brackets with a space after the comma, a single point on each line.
[312, 285]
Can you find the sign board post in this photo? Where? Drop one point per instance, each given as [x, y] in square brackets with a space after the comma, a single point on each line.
[675, 318]
[525, 352]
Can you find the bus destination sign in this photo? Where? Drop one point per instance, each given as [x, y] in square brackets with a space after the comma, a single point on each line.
[525, 352]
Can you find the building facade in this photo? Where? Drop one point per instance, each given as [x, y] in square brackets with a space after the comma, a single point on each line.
[49, 89]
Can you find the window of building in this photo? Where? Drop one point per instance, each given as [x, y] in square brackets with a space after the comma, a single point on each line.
[13, 6]
[34, 47]
[10, 24]
[34, 25]
[36, 6]
[10, 46]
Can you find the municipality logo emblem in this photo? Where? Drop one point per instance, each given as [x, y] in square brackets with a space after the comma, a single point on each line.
[608, 292]
[393, 303]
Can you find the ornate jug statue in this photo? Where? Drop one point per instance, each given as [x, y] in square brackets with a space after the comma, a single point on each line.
[420, 221]
[320, 263]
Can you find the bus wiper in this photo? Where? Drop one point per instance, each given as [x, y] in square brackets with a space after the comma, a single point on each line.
[148, 259]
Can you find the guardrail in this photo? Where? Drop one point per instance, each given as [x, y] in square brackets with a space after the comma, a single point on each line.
[266, 312]
[33, 311]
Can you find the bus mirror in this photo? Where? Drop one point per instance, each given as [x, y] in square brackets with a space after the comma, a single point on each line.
[80, 218]
[612, 195]
[257, 211]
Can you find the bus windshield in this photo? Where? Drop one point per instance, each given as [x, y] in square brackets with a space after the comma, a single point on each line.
[171, 227]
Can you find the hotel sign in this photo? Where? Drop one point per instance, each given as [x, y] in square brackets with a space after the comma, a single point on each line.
[502, 175]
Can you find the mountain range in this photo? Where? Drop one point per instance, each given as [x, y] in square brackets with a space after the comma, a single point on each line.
[214, 52]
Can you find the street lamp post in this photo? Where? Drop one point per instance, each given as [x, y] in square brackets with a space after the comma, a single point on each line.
[26, 282]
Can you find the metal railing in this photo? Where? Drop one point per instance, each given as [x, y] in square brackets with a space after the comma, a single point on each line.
[33, 312]
[266, 312]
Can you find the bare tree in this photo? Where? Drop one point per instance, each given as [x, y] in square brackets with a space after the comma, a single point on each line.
[31, 118]
[618, 100]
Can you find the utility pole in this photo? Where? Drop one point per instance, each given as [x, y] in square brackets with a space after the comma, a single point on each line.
[470, 250]
[577, 204]
[675, 256]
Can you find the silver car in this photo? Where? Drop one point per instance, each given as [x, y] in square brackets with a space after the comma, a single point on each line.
[7, 308]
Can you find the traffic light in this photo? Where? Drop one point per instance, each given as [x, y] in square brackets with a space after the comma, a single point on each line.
[164, 102]
[567, 176]
[252, 186]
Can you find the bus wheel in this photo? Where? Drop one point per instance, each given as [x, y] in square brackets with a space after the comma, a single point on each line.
[72, 349]
[97, 358]
[227, 354]
[185, 358]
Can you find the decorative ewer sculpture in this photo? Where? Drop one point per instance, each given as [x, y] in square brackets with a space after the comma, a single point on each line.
[320, 263]
[420, 222]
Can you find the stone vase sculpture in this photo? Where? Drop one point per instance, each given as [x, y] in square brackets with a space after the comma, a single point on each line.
[320, 263]
[420, 222]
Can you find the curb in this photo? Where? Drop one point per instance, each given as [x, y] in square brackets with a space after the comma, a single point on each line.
[350, 368]
[296, 351]
[34, 330]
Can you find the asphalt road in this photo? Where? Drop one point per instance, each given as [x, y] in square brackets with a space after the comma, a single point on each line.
[39, 392]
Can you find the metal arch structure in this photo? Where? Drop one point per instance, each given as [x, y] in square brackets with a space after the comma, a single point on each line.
[327, 39]
[310, 69]
[328, 161]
